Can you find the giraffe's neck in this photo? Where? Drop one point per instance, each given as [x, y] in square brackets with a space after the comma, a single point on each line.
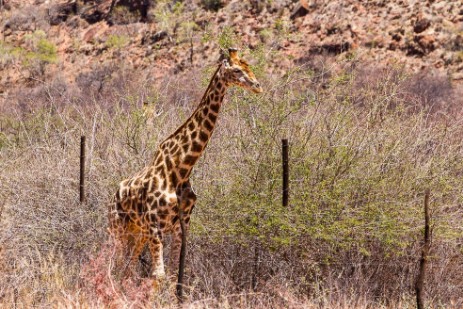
[181, 150]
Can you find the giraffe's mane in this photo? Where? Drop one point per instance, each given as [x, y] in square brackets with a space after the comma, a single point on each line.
[202, 99]
[210, 82]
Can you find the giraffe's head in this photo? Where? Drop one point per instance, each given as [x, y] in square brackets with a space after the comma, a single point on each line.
[237, 72]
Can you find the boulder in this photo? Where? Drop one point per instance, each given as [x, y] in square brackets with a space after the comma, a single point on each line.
[301, 9]
[427, 43]
[60, 12]
[421, 24]
[154, 38]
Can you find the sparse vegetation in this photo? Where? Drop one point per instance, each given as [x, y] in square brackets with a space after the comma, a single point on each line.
[7, 55]
[117, 41]
[227, 38]
[362, 153]
[39, 52]
[166, 15]
[123, 15]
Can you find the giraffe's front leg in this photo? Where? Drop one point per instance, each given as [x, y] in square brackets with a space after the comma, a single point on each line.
[187, 203]
[176, 246]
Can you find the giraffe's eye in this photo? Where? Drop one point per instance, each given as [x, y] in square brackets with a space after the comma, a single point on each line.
[236, 70]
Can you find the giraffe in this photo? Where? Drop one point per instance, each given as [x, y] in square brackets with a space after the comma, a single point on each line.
[146, 205]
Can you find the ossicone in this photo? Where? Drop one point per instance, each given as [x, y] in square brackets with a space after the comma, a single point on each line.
[233, 53]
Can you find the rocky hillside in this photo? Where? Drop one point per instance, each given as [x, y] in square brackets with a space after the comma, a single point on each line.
[84, 43]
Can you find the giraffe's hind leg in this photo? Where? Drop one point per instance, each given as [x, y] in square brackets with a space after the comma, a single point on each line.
[156, 250]
[123, 241]
[134, 249]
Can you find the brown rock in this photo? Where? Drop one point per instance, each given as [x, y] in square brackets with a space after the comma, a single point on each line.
[96, 12]
[7, 32]
[421, 24]
[426, 42]
[152, 39]
[394, 45]
[397, 34]
[458, 42]
[60, 12]
[301, 9]
[420, 45]
[332, 46]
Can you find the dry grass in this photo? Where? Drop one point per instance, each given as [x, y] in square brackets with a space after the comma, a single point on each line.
[362, 152]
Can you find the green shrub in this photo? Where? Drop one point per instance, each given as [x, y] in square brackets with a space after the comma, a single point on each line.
[227, 38]
[117, 41]
[39, 53]
[167, 16]
[46, 51]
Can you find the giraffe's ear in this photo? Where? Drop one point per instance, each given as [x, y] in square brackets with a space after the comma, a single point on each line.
[223, 60]
[233, 52]
[225, 63]
[222, 57]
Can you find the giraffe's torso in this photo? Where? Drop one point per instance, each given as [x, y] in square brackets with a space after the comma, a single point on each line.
[150, 199]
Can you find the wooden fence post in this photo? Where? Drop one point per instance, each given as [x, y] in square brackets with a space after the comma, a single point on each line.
[181, 264]
[82, 170]
[419, 285]
[285, 155]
